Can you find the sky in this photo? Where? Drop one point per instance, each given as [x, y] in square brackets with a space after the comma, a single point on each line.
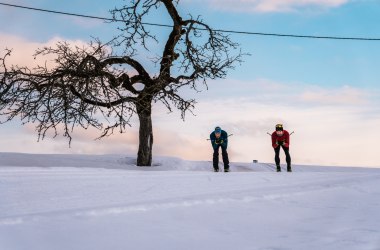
[326, 91]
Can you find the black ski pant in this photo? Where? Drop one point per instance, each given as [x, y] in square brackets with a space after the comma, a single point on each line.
[224, 156]
[277, 156]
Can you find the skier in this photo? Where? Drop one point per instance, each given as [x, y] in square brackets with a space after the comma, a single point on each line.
[280, 139]
[219, 139]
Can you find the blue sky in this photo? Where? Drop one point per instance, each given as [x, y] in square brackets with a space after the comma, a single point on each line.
[327, 91]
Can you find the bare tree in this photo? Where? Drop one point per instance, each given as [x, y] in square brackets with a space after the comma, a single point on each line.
[96, 85]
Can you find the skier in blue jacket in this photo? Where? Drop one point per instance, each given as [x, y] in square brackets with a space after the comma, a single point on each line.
[219, 139]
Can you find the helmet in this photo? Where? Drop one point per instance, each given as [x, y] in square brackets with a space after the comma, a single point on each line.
[218, 130]
[279, 127]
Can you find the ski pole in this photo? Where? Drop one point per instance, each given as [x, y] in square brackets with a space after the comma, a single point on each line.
[227, 136]
[289, 134]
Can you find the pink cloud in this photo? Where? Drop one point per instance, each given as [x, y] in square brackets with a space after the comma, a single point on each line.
[343, 96]
[274, 5]
[23, 50]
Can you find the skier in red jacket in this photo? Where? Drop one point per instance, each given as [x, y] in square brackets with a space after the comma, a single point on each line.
[280, 139]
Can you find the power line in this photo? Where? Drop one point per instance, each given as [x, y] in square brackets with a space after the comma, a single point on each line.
[55, 12]
[77, 15]
[219, 30]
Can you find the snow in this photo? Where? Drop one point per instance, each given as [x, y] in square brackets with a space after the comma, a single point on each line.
[106, 202]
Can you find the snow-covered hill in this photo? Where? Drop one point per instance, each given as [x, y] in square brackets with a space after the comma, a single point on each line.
[106, 202]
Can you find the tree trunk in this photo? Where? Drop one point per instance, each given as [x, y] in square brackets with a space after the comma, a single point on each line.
[144, 111]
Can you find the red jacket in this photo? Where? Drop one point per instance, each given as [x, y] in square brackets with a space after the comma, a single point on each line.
[284, 138]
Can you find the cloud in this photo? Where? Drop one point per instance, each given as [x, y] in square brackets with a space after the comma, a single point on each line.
[345, 95]
[23, 50]
[266, 91]
[84, 141]
[274, 5]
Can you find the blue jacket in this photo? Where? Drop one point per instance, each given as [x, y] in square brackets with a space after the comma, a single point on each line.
[222, 140]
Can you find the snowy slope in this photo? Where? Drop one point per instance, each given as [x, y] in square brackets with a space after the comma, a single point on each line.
[106, 202]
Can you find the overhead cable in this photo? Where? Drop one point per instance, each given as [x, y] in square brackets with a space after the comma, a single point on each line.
[219, 30]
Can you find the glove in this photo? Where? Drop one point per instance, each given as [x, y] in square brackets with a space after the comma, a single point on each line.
[280, 143]
[218, 141]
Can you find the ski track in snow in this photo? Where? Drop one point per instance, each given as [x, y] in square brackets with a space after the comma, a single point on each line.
[266, 191]
[244, 195]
